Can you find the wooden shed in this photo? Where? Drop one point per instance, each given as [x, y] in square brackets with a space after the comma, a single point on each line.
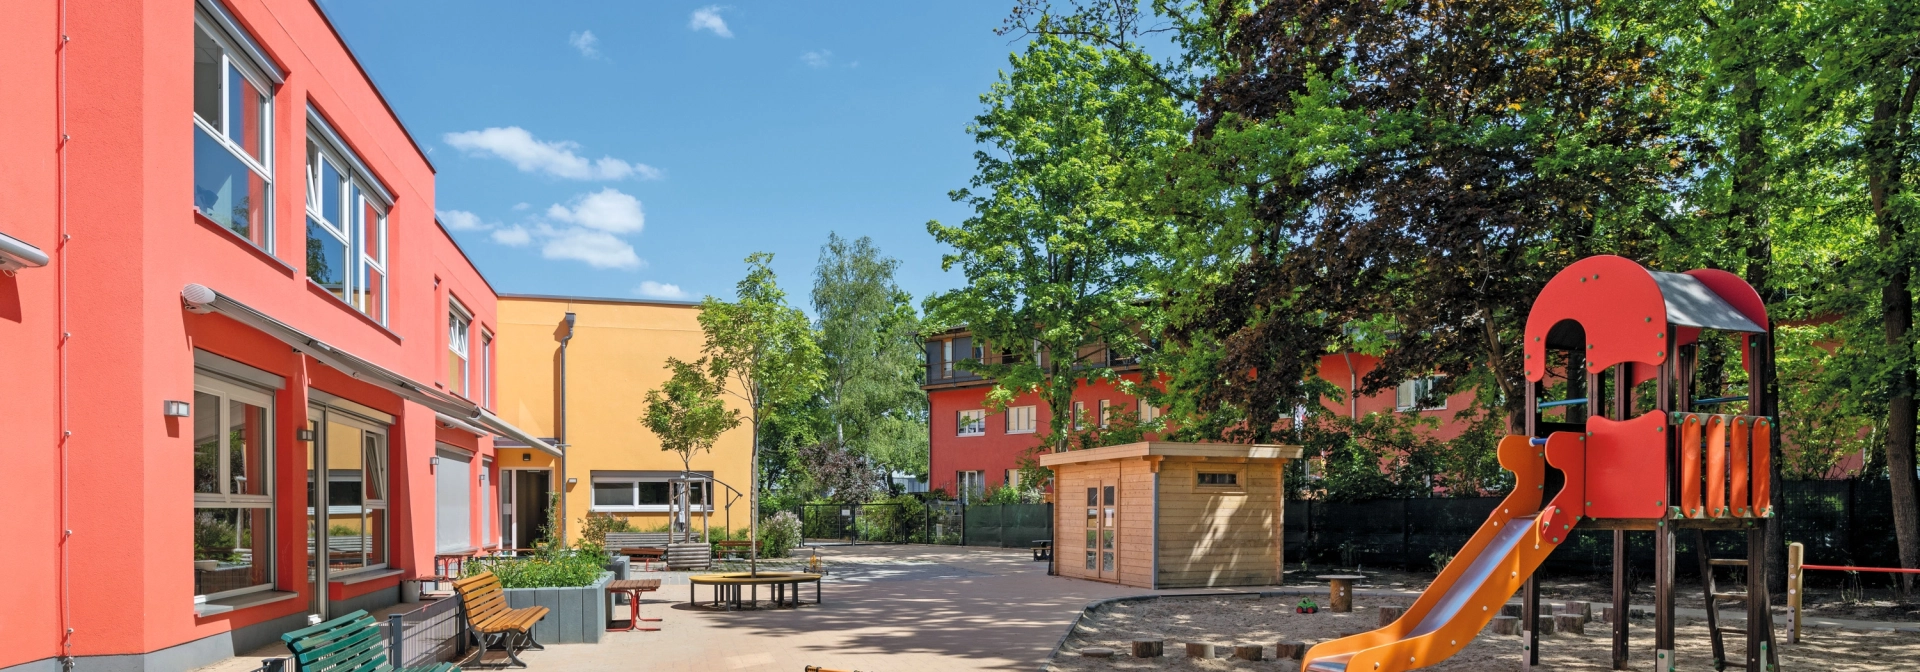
[1158, 514]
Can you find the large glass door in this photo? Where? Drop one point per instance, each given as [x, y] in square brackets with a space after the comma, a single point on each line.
[346, 499]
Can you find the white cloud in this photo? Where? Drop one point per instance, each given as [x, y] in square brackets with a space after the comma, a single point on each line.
[708, 18]
[660, 290]
[817, 59]
[586, 43]
[522, 205]
[606, 210]
[514, 236]
[529, 154]
[461, 220]
[598, 248]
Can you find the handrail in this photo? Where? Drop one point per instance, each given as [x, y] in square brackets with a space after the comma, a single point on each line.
[1564, 402]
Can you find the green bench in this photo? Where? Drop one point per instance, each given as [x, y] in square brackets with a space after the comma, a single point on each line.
[348, 643]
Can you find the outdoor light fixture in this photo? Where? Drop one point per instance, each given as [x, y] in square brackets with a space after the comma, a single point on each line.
[16, 254]
[176, 409]
[572, 481]
[304, 435]
[434, 461]
[526, 457]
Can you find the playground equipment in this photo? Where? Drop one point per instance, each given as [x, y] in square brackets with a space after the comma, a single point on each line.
[1613, 463]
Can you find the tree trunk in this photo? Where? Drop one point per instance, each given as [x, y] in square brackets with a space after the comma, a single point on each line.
[1884, 174]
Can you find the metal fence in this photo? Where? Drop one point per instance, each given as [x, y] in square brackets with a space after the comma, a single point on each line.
[1841, 522]
[933, 522]
[433, 633]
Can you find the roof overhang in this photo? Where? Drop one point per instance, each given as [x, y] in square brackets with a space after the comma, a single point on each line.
[1198, 451]
[446, 407]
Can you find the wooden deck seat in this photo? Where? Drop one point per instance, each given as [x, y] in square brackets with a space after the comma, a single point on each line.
[484, 605]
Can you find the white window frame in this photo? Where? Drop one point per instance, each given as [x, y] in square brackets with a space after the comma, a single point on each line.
[1023, 419]
[593, 504]
[970, 482]
[460, 343]
[373, 470]
[946, 358]
[971, 422]
[1149, 412]
[363, 193]
[227, 391]
[1106, 412]
[233, 55]
[1079, 415]
[1406, 397]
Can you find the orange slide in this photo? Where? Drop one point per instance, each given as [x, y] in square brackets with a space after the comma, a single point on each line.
[1482, 577]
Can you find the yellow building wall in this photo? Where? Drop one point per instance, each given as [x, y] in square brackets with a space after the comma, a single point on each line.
[618, 353]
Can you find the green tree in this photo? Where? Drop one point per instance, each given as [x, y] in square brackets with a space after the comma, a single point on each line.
[1058, 249]
[766, 351]
[870, 346]
[688, 413]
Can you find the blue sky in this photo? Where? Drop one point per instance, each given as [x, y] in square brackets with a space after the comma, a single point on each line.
[642, 149]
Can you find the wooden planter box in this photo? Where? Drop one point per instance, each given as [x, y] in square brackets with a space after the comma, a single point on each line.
[1158, 514]
[578, 615]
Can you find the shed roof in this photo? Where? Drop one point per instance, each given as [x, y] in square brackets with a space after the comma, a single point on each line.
[1690, 303]
[1175, 449]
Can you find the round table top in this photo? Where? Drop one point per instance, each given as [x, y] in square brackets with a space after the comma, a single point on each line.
[763, 578]
[1340, 577]
[634, 584]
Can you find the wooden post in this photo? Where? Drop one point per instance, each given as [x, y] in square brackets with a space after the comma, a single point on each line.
[1199, 650]
[1570, 622]
[1248, 652]
[1616, 614]
[1544, 625]
[1580, 608]
[1663, 570]
[1289, 650]
[1796, 589]
[1149, 648]
[1513, 610]
[1506, 625]
[1390, 614]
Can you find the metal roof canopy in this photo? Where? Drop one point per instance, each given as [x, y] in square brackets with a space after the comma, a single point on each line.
[1691, 304]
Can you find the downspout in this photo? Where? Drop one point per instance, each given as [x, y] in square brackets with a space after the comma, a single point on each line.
[565, 428]
[66, 435]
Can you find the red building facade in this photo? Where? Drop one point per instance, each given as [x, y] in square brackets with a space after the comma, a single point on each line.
[248, 374]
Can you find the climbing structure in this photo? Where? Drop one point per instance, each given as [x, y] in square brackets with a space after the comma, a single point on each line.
[1620, 459]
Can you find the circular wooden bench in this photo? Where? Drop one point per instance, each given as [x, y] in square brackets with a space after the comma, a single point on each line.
[726, 587]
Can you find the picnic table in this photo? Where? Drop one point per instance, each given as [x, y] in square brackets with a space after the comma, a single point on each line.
[633, 588]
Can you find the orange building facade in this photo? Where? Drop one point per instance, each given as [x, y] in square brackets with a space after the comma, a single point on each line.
[248, 375]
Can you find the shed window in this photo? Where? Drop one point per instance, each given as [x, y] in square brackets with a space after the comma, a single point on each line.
[1219, 479]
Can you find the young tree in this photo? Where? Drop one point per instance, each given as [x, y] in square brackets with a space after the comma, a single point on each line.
[1057, 252]
[766, 350]
[869, 343]
[688, 414]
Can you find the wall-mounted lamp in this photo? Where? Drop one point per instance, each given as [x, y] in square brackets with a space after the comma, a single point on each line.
[305, 435]
[434, 461]
[526, 457]
[572, 481]
[176, 409]
[15, 254]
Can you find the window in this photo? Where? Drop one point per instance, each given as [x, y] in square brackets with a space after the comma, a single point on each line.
[346, 227]
[1021, 420]
[355, 456]
[1013, 478]
[971, 484]
[459, 323]
[232, 488]
[1079, 415]
[232, 137]
[643, 493]
[1106, 412]
[946, 358]
[1218, 479]
[1149, 412]
[486, 369]
[971, 423]
[453, 500]
[1412, 395]
[487, 498]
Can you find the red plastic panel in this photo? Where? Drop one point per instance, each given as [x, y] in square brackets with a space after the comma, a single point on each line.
[1615, 301]
[1737, 293]
[1566, 451]
[1627, 467]
[1690, 431]
[1716, 447]
[1737, 458]
[1763, 465]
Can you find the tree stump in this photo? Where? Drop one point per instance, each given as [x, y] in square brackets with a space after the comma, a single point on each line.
[1582, 609]
[1097, 652]
[1572, 623]
[1149, 648]
[1389, 614]
[1607, 615]
[1513, 610]
[1506, 625]
[1290, 650]
[1248, 652]
[1199, 650]
[1543, 624]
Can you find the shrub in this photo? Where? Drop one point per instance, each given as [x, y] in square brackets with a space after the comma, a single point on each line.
[779, 533]
[547, 568]
[595, 528]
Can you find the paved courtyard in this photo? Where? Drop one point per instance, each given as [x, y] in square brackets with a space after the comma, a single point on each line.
[888, 608]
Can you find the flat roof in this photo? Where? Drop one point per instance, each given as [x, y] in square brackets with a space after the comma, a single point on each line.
[1242, 451]
[602, 299]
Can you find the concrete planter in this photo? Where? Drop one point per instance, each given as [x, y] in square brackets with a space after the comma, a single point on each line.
[577, 615]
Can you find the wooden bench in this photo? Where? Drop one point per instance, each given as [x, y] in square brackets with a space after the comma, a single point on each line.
[484, 605]
[637, 540]
[645, 556]
[350, 642]
[738, 548]
[1043, 549]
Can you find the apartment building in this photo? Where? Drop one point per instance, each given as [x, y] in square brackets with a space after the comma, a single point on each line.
[249, 377]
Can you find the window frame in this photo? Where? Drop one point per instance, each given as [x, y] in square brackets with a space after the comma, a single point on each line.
[486, 369]
[966, 418]
[358, 192]
[966, 477]
[373, 470]
[460, 332]
[1413, 388]
[633, 483]
[1032, 415]
[1149, 412]
[1079, 415]
[234, 55]
[1238, 475]
[946, 358]
[263, 504]
[1107, 408]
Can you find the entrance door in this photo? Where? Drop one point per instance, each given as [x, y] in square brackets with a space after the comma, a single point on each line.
[524, 495]
[346, 499]
[1102, 527]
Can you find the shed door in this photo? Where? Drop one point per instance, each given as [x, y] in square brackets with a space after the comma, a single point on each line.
[1102, 526]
